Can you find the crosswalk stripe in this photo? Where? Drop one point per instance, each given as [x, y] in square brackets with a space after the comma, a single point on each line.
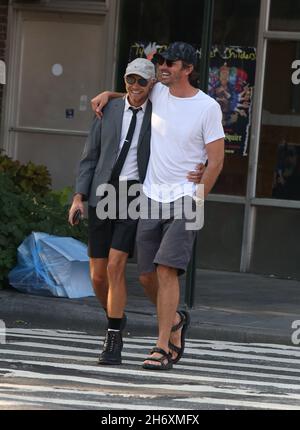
[38, 345]
[6, 404]
[154, 374]
[253, 344]
[72, 338]
[197, 389]
[208, 342]
[216, 346]
[187, 388]
[84, 341]
[190, 343]
[224, 374]
[137, 355]
[13, 373]
[238, 348]
[240, 403]
[158, 387]
[138, 362]
[198, 352]
[81, 403]
[55, 390]
[248, 356]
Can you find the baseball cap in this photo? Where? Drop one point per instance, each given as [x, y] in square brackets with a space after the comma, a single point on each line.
[141, 67]
[180, 51]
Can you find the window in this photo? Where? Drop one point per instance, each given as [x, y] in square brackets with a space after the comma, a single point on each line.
[164, 21]
[285, 15]
[235, 29]
[279, 157]
[160, 22]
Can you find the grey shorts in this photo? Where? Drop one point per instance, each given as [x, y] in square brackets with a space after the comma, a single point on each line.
[164, 242]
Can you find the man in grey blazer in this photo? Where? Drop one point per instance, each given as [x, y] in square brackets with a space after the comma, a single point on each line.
[116, 153]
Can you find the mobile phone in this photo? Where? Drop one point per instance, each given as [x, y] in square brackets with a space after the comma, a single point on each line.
[76, 217]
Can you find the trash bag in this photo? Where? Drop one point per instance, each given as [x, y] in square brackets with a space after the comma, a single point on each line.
[52, 266]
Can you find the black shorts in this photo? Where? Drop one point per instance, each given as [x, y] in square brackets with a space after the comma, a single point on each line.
[104, 234]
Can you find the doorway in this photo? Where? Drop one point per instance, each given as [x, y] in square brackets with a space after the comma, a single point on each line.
[58, 66]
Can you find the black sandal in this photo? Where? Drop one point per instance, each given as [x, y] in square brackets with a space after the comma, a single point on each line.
[184, 324]
[164, 356]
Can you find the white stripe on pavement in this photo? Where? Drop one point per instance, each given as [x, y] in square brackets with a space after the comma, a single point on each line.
[155, 374]
[207, 343]
[239, 403]
[214, 345]
[81, 403]
[51, 334]
[13, 388]
[84, 341]
[168, 387]
[199, 352]
[223, 388]
[139, 362]
[68, 335]
[5, 404]
[137, 355]
[237, 348]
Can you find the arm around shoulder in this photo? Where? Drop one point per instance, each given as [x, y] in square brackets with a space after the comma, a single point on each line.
[101, 100]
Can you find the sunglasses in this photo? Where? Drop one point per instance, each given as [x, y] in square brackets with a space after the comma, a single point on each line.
[162, 60]
[132, 80]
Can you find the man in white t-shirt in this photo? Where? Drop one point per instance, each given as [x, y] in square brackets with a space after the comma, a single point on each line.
[186, 129]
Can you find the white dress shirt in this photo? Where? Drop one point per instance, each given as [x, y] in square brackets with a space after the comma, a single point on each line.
[130, 168]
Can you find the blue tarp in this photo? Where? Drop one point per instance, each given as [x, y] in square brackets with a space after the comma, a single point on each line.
[52, 266]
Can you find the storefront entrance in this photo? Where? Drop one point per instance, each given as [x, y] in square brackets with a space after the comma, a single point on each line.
[250, 218]
[59, 60]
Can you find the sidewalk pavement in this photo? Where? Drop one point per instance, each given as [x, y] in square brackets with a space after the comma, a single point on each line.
[229, 306]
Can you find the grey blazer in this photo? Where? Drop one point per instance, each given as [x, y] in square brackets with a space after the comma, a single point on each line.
[102, 146]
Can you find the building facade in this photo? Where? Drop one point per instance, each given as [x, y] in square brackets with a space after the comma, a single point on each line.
[61, 53]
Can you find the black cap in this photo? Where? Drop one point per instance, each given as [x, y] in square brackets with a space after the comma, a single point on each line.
[180, 51]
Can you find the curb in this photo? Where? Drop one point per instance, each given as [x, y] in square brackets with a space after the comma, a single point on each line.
[26, 311]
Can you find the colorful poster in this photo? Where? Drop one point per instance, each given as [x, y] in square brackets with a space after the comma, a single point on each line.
[231, 83]
[149, 49]
[145, 50]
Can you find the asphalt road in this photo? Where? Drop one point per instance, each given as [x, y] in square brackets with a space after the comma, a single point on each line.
[57, 369]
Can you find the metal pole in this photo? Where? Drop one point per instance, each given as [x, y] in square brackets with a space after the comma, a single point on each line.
[208, 16]
[250, 209]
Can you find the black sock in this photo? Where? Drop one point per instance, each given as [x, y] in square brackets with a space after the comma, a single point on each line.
[114, 323]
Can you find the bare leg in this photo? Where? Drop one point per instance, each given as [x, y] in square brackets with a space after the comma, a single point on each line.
[98, 270]
[150, 284]
[117, 293]
[167, 303]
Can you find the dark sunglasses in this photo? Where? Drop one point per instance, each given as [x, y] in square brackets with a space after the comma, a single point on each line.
[132, 80]
[162, 60]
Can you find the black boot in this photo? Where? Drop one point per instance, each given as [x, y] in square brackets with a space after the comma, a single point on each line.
[112, 348]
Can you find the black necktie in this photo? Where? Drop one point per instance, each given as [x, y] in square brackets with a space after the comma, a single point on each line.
[125, 148]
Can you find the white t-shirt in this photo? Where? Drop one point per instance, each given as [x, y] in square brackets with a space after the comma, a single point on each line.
[180, 130]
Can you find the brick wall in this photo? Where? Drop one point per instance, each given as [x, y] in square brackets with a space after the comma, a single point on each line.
[3, 37]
